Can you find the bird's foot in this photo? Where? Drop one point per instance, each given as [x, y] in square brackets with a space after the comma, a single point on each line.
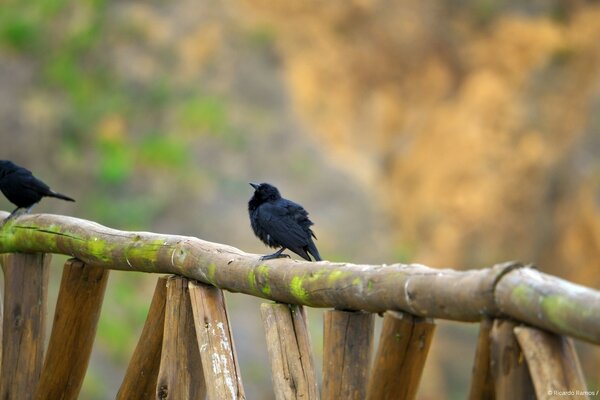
[16, 212]
[274, 256]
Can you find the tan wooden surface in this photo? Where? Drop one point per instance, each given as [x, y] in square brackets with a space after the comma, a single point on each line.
[482, 385]
[509, 369]
[400, 357]
[78, 309]
[180, 375]
[288, 345]
[215, 341]
[142, 371]
[347, 347]
[24, 324]
[553, 363]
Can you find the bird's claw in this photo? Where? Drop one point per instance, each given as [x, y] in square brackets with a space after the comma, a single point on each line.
[274, 256]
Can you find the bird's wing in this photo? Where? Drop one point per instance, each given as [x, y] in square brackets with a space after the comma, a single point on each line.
[300, 215]
[280, 221]
[30, 182]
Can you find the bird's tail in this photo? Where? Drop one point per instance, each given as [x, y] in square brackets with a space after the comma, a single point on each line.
[312, 249]
[52, 193]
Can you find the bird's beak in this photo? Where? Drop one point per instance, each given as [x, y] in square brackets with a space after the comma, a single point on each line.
[254, 185]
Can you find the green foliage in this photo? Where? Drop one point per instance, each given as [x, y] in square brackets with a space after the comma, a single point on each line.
[116, 163]
[204, 114]
[93, 387]
[129, 307]
[485, 12]
[562, 56]
[262, 36]
[18, 32]
[162, 150]
[135, 212]
[404, 253]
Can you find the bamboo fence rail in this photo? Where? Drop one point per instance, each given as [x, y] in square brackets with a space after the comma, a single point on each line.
[186, 349]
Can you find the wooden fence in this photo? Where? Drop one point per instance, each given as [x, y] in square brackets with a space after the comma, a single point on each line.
[186, 349]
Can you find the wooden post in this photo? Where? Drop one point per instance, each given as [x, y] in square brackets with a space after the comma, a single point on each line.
[180, 375]
[25, 298]
[215, 341]
[482, 385]
[1, 317]
[75, 321]
[347, 345]
[553, 363]
[142, 372]
[401, 355]
[288, 344]
[509, 369]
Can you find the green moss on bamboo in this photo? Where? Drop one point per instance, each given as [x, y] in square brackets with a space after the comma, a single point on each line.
[96, 246]
[314, 276]
[266, 289]
[145, 254]
[263, 270]
[252, 281]
[522, 294]
[557, 308]
[19, 238]
[262, 275]
[211, 271]
[336, 275]
[298, 291]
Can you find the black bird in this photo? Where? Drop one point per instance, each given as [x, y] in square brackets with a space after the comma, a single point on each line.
[280, 222]
[22, 188]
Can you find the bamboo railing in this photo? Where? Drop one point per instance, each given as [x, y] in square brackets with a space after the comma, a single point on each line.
[186, 349]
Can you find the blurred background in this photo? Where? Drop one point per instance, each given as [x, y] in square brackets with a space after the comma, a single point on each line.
[454, 134]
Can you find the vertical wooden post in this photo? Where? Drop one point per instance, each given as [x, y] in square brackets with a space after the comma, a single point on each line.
[25, 298]
[552, 361]
[142, 372]
[348, 341]
[180, 375]
[509, 369]
[401, 355]
[75, 321]
[1, 317]
[482, 385]
[288, 344]
[215, 341]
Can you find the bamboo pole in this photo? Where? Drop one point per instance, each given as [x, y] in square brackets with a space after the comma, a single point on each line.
[24, 324]
[215, 341]
[506, 289]
[482, 385]
[549, 303]
[78, 309]
[512, 380]
[553, 364]
[288, 345]
[142, 372]
[180, 375]
[347, 347]
[401, 355]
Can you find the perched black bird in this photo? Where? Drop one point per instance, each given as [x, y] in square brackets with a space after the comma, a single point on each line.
[279, 222]
[22, 188]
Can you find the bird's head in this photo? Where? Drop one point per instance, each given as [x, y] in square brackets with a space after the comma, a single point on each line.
[265, 192]
[6, 167]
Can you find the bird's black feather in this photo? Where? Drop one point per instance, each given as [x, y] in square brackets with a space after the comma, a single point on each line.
[22, 188]
[279, 222]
